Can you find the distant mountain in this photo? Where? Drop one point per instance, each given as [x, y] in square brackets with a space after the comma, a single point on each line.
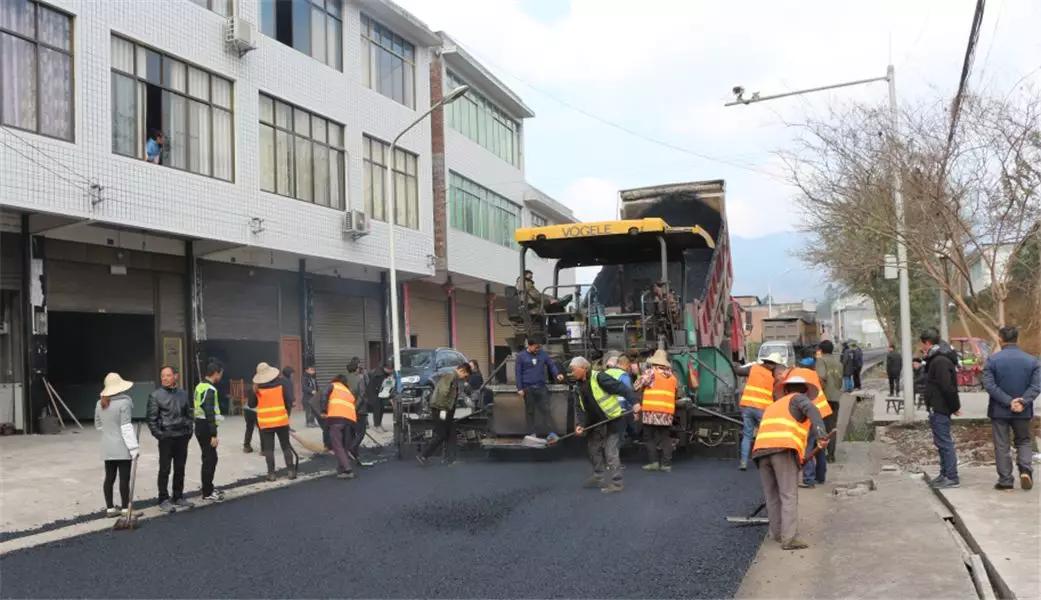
[759, 262]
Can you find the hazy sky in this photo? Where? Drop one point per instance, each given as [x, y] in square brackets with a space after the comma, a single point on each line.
[664, 69]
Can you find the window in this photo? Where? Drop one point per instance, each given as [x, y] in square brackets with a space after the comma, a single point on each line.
[477, 118]
[388, 62]
[538, 220]
[154, 93]
[36, 68]
[314, 27]
[221, 7]
[406, 194]
[479, 211]
[301, 154]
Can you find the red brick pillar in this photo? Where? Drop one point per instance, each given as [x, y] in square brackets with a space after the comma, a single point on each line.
[437, 143]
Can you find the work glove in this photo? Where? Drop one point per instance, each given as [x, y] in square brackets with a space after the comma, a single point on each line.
[135, 452]
[443, 414]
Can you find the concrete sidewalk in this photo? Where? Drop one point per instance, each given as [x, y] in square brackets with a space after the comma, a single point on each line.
[888, 543]
[1004, 527]
[973, 406]
[48, 478]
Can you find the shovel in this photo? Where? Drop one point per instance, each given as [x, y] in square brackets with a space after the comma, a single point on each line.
[129, 520]
[532, 441]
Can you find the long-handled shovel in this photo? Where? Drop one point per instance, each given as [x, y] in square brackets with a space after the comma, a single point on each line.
[129, 519]
[532, 441]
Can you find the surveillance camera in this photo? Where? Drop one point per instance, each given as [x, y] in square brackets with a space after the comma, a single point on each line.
[738, 90]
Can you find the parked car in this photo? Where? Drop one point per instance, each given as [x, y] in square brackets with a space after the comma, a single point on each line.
[421, 367]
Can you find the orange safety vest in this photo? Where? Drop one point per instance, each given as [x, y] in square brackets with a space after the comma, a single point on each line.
[821, 401]
[271, 408]
[758, 389]
[660, 397]
[779, 429]
[342, 403]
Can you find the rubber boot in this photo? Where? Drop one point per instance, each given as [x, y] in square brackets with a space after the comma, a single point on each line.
[269, 458]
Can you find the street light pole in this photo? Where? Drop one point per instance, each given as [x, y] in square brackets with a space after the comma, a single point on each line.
[898, 202]
[388, 189]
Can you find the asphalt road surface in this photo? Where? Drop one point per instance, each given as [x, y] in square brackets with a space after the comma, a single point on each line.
[478, 529]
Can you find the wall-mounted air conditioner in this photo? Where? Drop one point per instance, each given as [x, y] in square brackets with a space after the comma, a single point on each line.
[355, 224]
[239, 35]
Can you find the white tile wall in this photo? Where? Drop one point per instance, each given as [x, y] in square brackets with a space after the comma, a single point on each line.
[46, 175]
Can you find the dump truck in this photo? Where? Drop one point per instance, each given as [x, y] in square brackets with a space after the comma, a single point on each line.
[664, 283]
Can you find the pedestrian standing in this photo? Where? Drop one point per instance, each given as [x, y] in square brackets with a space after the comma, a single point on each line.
[599, 400]
[847, 367]
[757, 395]
[829, 371]
[287, 376]
[1012, 378]
[657, 408]
[781, 446]
[207, 418]
[310, 391]
[442, 409]
[170, 421]
[250, 417]
[894, 365]
[858, 364]
[355, 381]
[372, 392]
[274, 398]
[119, 445]
[941, 398]
[533, 363]
[339, 410]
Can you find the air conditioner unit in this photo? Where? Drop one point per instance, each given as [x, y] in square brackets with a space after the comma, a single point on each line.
[239, 35]
[355, 224]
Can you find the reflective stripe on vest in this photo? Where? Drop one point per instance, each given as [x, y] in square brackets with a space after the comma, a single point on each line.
[200, 393]
[342, 403]
[661, 396]
[615, 372]
[779, 429]
[609, 404]
[821, 401]
[759, 389]
[271, 408]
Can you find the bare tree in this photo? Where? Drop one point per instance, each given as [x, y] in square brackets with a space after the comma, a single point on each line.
[970, 206]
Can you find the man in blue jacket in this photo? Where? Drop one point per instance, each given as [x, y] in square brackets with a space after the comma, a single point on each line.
[1013, 380]
[532, 365]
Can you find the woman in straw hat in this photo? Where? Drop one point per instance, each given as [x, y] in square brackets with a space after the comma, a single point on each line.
[118, 442]
[657, 408]
[274, 400]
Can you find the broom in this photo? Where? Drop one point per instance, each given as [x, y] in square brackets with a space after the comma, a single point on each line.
[316, 448]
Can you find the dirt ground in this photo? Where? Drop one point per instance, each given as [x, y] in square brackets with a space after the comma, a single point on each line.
[915, 449]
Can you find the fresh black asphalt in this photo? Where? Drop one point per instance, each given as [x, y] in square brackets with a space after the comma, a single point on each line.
[481, 529]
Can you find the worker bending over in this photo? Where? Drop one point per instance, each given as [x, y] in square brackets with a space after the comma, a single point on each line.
[598, 401]
[657, 409]
[815, 469]
[339, 410]
[780, 448]
[757, 395]
[274, 397]
[442, 409]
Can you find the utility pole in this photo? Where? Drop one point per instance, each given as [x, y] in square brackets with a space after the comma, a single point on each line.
[898, 204]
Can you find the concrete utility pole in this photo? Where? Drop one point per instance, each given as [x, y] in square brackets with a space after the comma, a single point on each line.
[907, 376]
[388, 188]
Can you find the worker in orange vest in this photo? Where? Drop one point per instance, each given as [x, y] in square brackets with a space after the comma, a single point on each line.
[657, 408]
[757, 395]
[815, 470]
[274, 399]
[781, 446]
[339, 408]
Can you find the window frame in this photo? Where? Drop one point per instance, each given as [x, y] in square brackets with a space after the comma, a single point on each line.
[211, 3]
[489, 208]
[312, 5]
[483, 122]
[543, 221]
[290, 129]
[36, 68]
[367, 167]
[372, 43]
[188, 98]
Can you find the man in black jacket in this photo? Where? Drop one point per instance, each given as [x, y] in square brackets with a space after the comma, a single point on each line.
[894, 366]
[374, 382]
[310, 390]
[170, 421]
[603, 441]
[941, 398]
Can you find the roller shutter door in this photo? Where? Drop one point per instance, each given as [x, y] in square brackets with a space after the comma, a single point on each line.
[171, 302]
[82, 287]
[472, 327]
[428, 319]
[338, 332]
[235, 310]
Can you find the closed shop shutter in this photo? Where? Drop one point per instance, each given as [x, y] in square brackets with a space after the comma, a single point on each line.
[171, 302]
[10, 261]
[82, 287]
[338, 332]
[235, 310]
[472, 327]
[373, 320]
[428, 318]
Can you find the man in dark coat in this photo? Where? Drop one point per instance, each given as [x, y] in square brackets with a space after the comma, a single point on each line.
[171, 422]
[894, 365]
[941, 398]
[1012, 378]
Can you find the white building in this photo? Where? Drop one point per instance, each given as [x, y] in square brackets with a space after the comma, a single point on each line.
[231, 242]
[854, 318]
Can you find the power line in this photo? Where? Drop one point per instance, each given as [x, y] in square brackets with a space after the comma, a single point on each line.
[56, 161]
[966, 69]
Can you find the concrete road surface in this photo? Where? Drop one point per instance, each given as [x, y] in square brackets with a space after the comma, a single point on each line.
[478, 529]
